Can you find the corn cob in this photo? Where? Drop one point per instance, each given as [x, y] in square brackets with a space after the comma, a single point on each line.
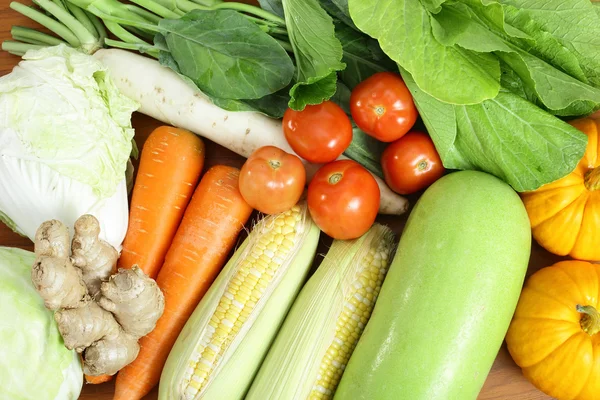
[326, 321]
[223, 343]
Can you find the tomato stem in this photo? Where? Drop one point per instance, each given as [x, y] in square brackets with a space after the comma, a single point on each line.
[592, 179]
[274, 164]
[590, 320]
[335, 178]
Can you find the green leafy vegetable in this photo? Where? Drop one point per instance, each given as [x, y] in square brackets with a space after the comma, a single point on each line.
[557, 91]
[339, 9]
[433, 6]
[362, 55]
[272, 105]
[574, 23]
[597, 7]
[317, 51]
[65, 142]
[481, 28]
[273, 6]
[507, 136]
[227, 55]
[404, 31]
[363, 149]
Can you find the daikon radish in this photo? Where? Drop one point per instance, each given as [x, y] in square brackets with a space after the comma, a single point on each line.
[163, 95]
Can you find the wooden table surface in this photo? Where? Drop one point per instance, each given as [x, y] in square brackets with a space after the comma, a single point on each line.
[505, 380]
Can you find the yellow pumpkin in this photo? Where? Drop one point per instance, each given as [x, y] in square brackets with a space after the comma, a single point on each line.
[565, 214]
[554, 335]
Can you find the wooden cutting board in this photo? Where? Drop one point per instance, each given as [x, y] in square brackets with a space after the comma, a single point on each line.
[505, 380]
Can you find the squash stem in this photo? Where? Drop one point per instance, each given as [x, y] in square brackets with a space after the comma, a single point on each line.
[590, 321]
[592, 179]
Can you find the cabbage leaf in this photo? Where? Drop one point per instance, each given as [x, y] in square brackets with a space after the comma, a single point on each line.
[34, 362]
[65, 141]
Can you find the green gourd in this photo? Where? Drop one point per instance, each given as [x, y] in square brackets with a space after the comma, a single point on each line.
[449, 296]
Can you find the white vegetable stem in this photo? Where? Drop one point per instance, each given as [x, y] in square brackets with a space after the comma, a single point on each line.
[163, 95]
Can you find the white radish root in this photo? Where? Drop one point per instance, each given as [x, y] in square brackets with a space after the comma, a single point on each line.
[163, 95]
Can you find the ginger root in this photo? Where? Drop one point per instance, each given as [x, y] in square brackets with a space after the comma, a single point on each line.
[134, 300]
[58, 283]
[99, 315]
[108, 356]
[52, 239]
[81, 327]
[95, 257]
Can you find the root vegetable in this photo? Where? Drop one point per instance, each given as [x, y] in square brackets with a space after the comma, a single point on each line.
[95, 257]
[52, 239]
[134, 299]
[170, 167]
[108, 356]
[81, 327]
[107, 337]
[211, 224]
[98, 379]
[59, 283]
[163, 95]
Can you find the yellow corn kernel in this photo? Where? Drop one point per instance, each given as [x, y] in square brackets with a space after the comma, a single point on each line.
[250, 281]
[315, 343]
[348, 325]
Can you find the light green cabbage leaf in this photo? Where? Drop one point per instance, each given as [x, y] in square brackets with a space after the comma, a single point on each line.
[34, 363]
[65, 141]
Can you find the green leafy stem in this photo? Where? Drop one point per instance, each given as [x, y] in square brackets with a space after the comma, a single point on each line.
[82, 24]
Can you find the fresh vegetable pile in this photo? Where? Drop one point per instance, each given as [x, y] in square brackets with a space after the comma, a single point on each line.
[208, 280]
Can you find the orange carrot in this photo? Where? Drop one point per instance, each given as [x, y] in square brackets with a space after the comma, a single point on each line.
[170, 166]
[213, 220]
[96, 380]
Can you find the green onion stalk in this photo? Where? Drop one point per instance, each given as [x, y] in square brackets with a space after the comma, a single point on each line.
[83, 24]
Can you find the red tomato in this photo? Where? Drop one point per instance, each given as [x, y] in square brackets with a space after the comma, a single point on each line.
[411, 163]
[343, 199]
[272, 180]
[319, 133]
[383, 107]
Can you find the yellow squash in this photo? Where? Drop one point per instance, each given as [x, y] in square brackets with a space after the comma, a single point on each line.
[554, 333]
[565, 214]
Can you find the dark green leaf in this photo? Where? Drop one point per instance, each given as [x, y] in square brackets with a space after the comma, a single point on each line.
[161, 43]
[226, 55]
[362, 55]
[363, 149]
[404, 31]
[273, 6]
[317, 51]
[339, 10]
[366, 150]
[507, 136]
[342, 97]
[273, 105]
